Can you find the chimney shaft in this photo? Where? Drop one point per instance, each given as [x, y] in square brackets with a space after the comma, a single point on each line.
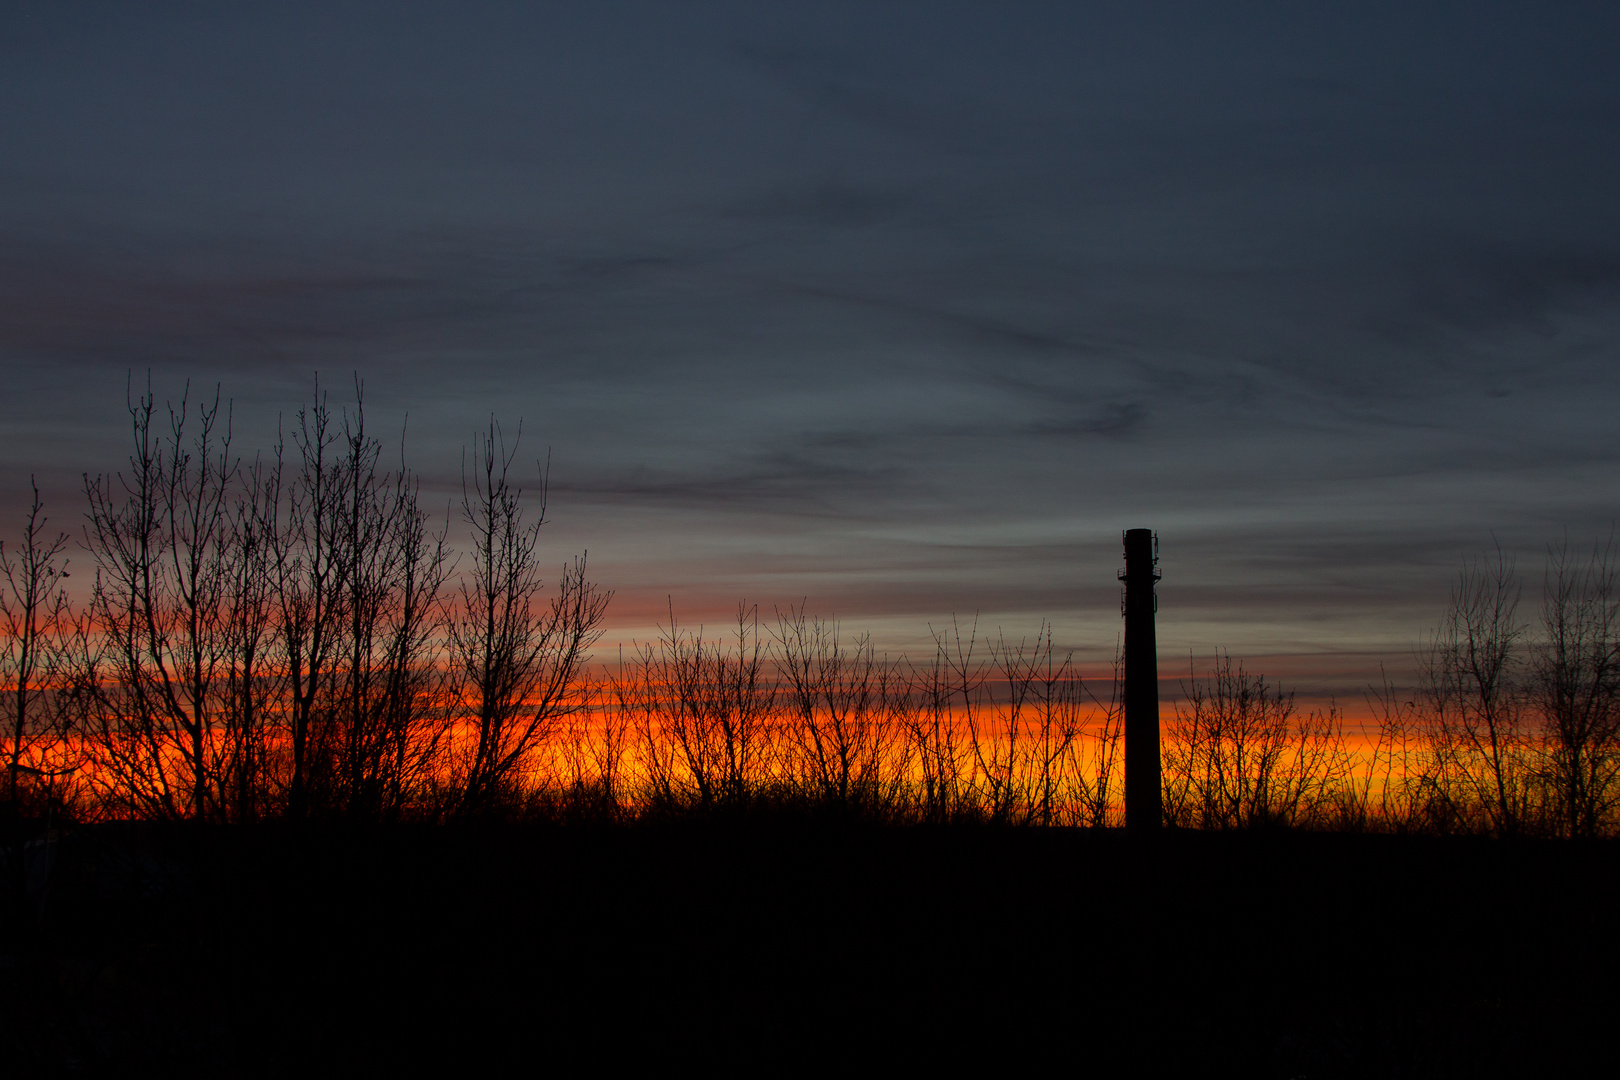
[1143, 797]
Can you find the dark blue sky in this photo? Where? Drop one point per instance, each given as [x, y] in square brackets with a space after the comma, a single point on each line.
[903, 309]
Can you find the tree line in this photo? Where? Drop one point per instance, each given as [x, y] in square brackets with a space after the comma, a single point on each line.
[287, 635]
[292, 637]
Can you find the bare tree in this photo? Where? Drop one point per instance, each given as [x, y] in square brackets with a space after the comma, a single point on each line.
[703, 711]
[1224, 747]
[1474, 700]
[378, 736]
[517, 661]
[1576, 685]
[937, 691]
[250, 682]
[840, 714]
[1398, 788]
[410, 724]
[349, 739]
[310, 575]
[35, 620]
[595, 743]
[1094, 761]
[1042, 719]
[1238, 754]
[158, 536]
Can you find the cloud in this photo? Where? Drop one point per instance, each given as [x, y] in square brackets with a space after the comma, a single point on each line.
[912, 294]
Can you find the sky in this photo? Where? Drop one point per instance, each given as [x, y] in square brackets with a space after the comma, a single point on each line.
[900, 311]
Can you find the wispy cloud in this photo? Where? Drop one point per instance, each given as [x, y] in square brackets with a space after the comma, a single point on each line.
[920, 304]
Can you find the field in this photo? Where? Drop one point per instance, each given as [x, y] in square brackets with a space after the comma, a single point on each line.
[783, 941]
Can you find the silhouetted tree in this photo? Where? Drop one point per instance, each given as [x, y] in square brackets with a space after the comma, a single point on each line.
[380, 733]
[517, 660]
[1576, 685]
[1093, 762]
[158, 535]
[35, 622]
[840, 706]
[703, 712]
[1040, 723]
[1237, 754]
[1474, 699]
[595, 744]
[310, 579]
[1398, 790]
[251, 681]
[942, 695]
[410, 724]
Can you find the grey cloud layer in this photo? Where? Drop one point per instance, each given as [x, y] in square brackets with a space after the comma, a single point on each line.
[934, 300]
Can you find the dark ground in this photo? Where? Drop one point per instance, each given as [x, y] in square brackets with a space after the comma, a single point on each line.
[786, 944]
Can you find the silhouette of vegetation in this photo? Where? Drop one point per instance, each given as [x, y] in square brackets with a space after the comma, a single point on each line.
[1237, 755]
[283, 638]
[1574, 686]
[156, 661]
[293, 637]
[843, 704]
[515, 666]
[36, 634]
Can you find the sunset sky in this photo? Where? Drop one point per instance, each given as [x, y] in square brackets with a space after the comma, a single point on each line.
[901, 310]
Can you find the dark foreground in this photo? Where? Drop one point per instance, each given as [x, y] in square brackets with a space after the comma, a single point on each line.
[786, 944]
